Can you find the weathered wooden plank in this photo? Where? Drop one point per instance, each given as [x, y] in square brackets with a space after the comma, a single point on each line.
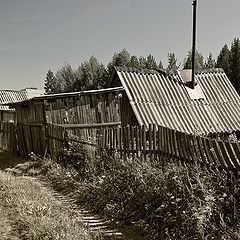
[232, 155]
[91, 126]
[236, 148]
[154, 142]
[144, 140]
[162, 142]
[226, 155]
[219, 154]
[132, 141]
[201, 150]
[150, 138]
[214, 157]
[137, 140]
[178, 137]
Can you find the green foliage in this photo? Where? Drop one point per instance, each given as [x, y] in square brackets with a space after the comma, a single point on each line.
[199, 61]
[52, 84]
[172, 62]
[223, 59]
[66, 76]
[150, 62]
[235, 64]
[210, 63]
[121, 59]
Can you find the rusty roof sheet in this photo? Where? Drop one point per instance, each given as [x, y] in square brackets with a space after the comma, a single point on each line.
[7, 96]
[163, 99]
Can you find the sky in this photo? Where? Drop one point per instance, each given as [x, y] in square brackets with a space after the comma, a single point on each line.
[37, 35]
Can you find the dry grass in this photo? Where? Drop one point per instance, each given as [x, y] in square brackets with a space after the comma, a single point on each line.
[34, 212]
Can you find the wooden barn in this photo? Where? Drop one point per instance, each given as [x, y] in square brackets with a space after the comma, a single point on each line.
[155, 97]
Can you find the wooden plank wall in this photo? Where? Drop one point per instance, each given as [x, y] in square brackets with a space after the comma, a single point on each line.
[31, 139]
[86, 109]
[8, 140]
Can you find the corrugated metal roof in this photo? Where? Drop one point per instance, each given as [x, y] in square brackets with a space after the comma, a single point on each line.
[65, 95]
[159, 99]
[11, 97]
[7, 96]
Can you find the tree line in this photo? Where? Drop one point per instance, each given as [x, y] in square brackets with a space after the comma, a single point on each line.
[92, 74]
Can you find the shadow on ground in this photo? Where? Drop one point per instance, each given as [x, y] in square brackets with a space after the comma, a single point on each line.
[8, 160]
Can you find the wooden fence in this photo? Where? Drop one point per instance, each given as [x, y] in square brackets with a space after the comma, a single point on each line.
[23, 138]
[157, 144]
[8, 141]
[162, 144]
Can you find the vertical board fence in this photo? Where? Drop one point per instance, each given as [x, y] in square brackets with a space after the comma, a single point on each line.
[157, 143]
[162, 144]
[31, 138]
[8, 140]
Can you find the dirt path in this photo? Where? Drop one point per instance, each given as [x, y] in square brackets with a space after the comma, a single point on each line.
[98, 226]
[92, 221]
[6, 232]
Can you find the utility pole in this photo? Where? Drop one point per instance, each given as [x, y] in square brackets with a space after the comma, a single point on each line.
[194, 40]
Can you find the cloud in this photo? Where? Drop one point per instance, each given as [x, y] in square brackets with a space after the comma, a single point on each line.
[5, 49]
[117, 8]
[27, 18]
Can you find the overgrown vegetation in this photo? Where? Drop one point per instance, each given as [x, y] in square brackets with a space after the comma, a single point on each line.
[35, 214]
[171, 202]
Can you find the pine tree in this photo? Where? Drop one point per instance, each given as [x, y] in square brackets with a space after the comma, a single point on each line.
[134, 62]
[210, 63]
[150, 62]
[199, 61]
[160, 65]
[51, 84]
[234, 61]
[223, 60]
[172, 62]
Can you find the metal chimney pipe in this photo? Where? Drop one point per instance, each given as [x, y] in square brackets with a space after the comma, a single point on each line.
[194, 40]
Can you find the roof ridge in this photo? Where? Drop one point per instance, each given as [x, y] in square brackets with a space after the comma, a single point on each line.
[212, 70]
[135, 70]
